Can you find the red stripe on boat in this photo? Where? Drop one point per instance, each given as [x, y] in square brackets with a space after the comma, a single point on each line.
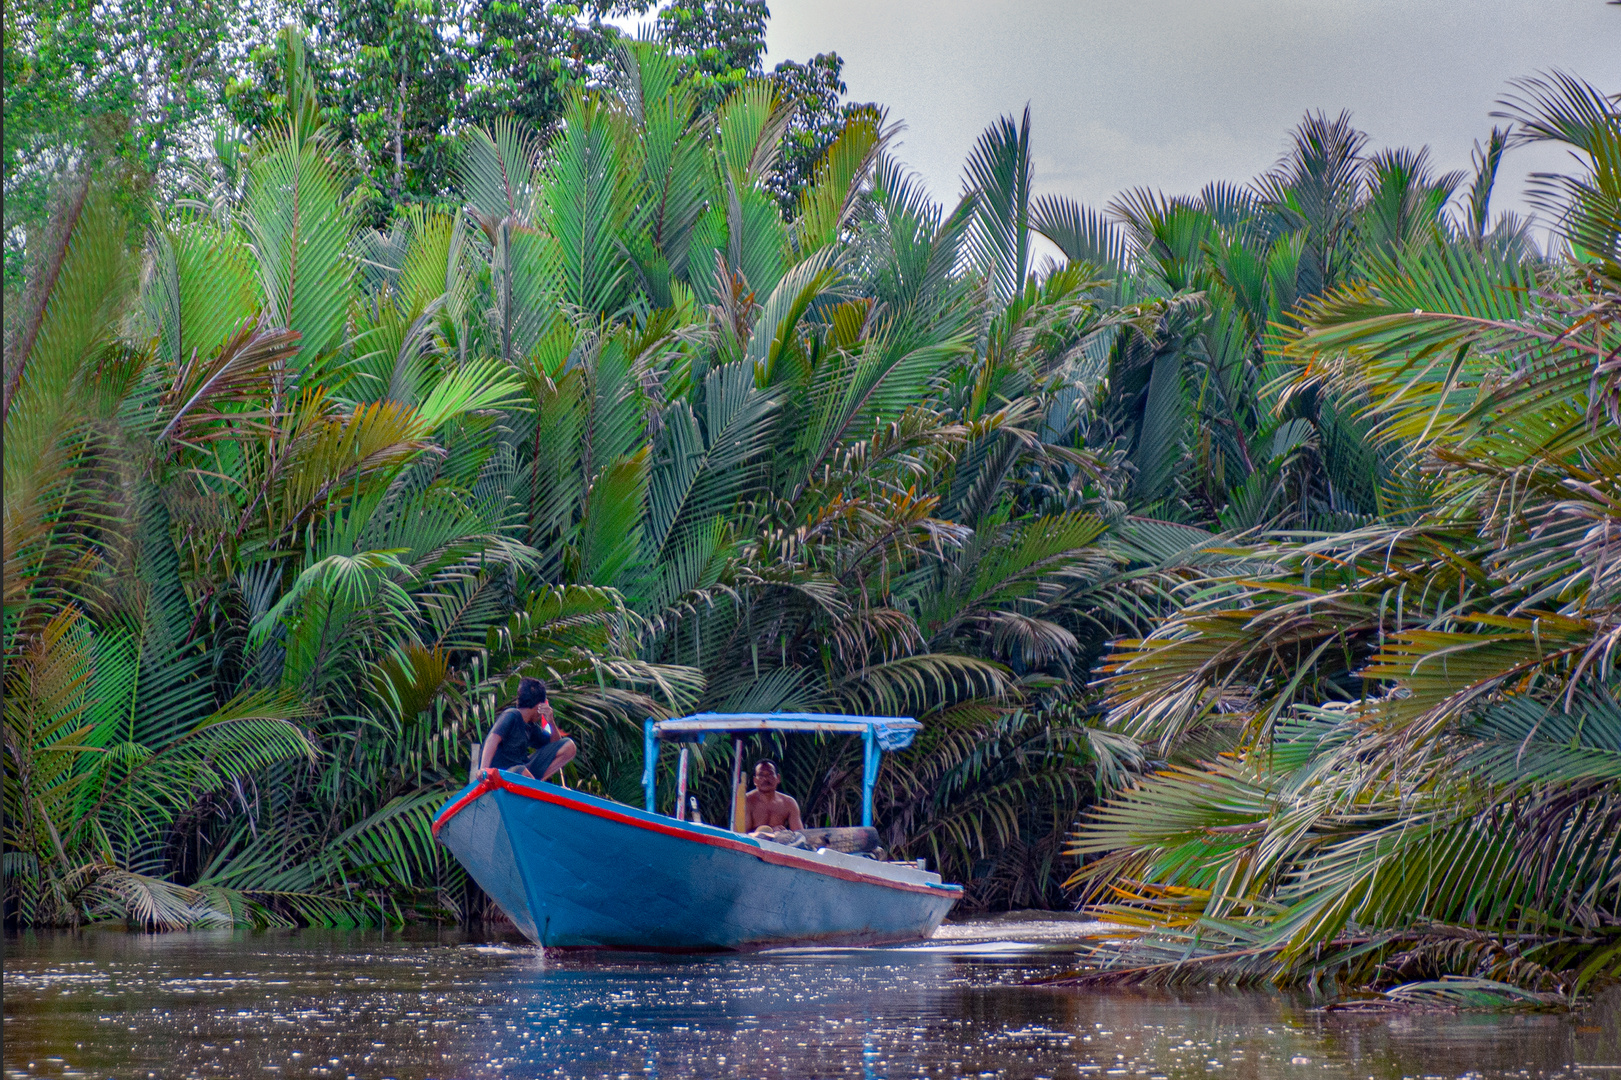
[485, 783]
[492, 779]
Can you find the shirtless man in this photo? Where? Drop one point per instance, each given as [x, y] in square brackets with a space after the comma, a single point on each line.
[766, 806]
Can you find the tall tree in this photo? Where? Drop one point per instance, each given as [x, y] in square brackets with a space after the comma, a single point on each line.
[117, 89]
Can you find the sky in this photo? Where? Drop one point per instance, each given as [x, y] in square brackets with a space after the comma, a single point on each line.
[1173, 94]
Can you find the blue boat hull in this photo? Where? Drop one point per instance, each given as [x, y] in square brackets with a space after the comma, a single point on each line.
[575, 871]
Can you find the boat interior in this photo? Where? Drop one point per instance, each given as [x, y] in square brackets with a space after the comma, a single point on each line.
[852, 840]
[878, 733]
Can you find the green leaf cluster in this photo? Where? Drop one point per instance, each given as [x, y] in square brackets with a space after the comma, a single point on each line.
[1392, 750]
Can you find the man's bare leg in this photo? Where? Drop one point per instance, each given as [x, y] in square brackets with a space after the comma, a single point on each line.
[564, 755]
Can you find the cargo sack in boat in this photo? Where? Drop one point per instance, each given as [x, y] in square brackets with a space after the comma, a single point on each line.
[786, 837]
[856, 840]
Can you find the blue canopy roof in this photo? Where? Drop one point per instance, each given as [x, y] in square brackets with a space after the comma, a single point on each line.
[891, 732]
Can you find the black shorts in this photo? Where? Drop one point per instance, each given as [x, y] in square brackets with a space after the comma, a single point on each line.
[543, 757]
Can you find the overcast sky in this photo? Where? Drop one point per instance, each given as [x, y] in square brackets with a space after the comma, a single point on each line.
[1172, 94]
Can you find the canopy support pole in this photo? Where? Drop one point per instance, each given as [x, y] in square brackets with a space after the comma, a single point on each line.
[681, 786]
[738, 820]
[650, 758]
[869, 776]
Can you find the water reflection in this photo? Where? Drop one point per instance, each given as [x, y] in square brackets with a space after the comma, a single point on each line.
[355, 1005]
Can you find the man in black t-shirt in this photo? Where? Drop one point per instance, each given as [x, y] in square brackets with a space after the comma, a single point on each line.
[526, 739]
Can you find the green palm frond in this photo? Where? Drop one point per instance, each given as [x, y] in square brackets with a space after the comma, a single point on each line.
[900, 686]
[749, 128]
[156, 904]
[610, 534]
[701, 470]
[585, 207]
[1562, 108]
[477, 386]
[827, 206]
[245, 737]
[1082, 234]
[1522, 741]
[774, 333]
[497, 171]
[675, 166]
[872, 386]
[53, 388]
[300, 230]
[998, 170]
[201, 291]
[913, 249]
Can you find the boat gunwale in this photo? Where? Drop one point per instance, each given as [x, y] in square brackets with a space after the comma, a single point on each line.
[493, 780]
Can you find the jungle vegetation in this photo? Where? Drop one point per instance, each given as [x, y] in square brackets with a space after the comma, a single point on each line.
[1414, 716]
[1254, 565]
[143, 90]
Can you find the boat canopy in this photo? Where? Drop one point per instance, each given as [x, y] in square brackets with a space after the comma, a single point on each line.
[892, 732]
[878, 733]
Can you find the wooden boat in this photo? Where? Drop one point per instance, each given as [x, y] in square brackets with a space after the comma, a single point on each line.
[572, 870]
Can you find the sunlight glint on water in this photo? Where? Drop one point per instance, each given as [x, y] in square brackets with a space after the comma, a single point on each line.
[357, 1005]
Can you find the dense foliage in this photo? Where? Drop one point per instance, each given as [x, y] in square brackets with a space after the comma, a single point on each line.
[1319, 474]
[1417, 713]
[146, 92]
[291, 502]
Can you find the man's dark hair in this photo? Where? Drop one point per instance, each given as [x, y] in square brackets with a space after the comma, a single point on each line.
[531, 692]
[768, 764]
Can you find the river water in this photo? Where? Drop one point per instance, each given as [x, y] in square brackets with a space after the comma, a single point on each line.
[354, 1005]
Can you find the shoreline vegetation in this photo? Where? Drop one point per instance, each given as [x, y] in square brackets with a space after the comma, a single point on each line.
[1255, 569]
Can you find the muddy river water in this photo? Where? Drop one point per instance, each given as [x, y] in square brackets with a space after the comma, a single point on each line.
[354, 1005]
